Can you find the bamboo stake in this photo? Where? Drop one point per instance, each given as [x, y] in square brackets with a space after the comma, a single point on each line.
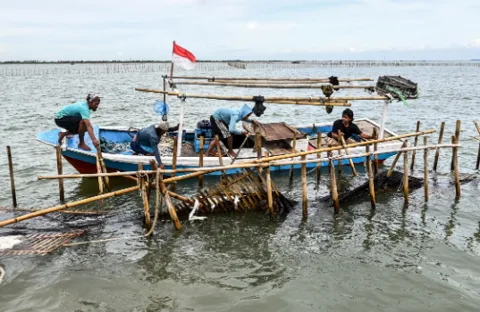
[455, 140]
[211, 78]
[146, 208]
[333, 182]
[319, 155]
[200, 161]
[415, 144]
[269, 85]
[371, 184]
[106, 180]
[339, 162]
[304, 188]
[405, 177]
[60, 172]
[269, 188]
[69, 205]
[375, 148]
[100, 178]
[397, 157]
[457, 135]
[354, 171]
[270, 98]
[220, 159]
[477, 125]
[437, 153]
[294, 146]
[174, 161]
[425, 168]
[168, 201]
[164, 88]
[12, 179]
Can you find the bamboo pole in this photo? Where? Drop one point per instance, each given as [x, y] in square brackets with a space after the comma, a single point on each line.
[395, 160]
[326, 79]
[342, 103]
[339, 162]
[174, 161]
[333, 185]
[168, 201]
[354, 171]
[371, 184]
[375, 148]
[220, 159]
[100, 178]
[405, 177]
[269, 99]
[69, 205]
[106, 180]
[319, 155]
[269, 85]
[12, 179]
[304, 188]
[254, 163]
[477, 125]
[457, 135]
[269, 188]
[425, 168]
[455, 140]
[146, 208]
[200, 161]
[437, 152]
[164, 88]
[415, 144]
[294, 146]
[61, 190]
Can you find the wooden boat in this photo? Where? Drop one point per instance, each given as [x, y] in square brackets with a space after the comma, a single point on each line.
[124, 160]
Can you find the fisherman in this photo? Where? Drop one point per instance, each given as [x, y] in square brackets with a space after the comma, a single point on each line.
[347, 129]
[146, 140]
[224, 122]
[75, 118]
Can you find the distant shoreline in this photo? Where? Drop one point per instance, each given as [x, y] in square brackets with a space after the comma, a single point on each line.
[33, 62]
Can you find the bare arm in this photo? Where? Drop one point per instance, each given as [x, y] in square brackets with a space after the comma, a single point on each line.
[90, 132]
[366, 135]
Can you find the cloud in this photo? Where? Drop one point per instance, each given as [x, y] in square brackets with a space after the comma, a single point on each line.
[475, 43]
[217, 29]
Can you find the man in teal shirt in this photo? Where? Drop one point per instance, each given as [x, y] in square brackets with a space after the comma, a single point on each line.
[75, 118]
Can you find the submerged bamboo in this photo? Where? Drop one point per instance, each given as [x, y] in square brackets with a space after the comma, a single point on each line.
[333, 186]
[437, 153]
[12, 179]
[477, 125]
[269, 188]
[457, 136]
[319, 155]
[61, 190]
[371, 184]
[405, 177]
[395, 160]
[425, 168]
[415, 144]
[304, 188]
[455, 166]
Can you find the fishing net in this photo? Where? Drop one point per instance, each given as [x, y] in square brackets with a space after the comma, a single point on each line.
[397, 87]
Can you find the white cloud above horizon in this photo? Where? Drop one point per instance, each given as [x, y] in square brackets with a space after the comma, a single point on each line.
[239, 29]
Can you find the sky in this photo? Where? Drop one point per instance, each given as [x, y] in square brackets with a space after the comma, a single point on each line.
[51, 30]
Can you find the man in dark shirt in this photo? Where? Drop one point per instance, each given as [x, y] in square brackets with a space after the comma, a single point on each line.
[147, 139]
[347, 129]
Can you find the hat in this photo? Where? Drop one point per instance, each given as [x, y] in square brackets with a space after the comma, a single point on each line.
[92, 96]
[162, 125]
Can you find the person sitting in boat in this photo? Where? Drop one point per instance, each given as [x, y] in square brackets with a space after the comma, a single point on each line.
[146, 140]
[347, 129]
[223, 122]
[75, 118]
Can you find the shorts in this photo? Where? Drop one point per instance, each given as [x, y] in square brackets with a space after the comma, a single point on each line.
[137, 148]
[69, 123]
[219, 127]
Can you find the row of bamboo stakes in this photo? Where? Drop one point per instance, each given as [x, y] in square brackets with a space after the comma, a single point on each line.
[262, 164]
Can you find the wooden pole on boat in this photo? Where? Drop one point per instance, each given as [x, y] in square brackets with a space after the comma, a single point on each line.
[477, 125]
[395, 160]
[220, 159]
[12, 180]
[103, 168]
[304, 187]
[294, 146]
[200, 160]
[455, 140]
[405, 177]
[258, 146]
[61, 190]
[69, 205]
[457, 136]
[269, 188]
[284, 85]
[325, 79]
[425, 168]
[375, 148]
[354, 171]
[143, 191]
[339, 162]
[164, 88]
[174, 161]
[371, 184]
[100, 179]
[272, 99]
[415, 144]
[319, 155]
[333, 185]
[437, 153]
[168, 201]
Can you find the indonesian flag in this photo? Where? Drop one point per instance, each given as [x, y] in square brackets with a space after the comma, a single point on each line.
[182, 57]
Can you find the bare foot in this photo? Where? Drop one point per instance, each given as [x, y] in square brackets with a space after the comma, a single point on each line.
[84, 147]
[232, 154]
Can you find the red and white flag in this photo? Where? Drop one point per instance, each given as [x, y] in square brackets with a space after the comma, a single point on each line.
[182, 57]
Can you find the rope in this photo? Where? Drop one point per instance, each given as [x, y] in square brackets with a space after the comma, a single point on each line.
[2, 274]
